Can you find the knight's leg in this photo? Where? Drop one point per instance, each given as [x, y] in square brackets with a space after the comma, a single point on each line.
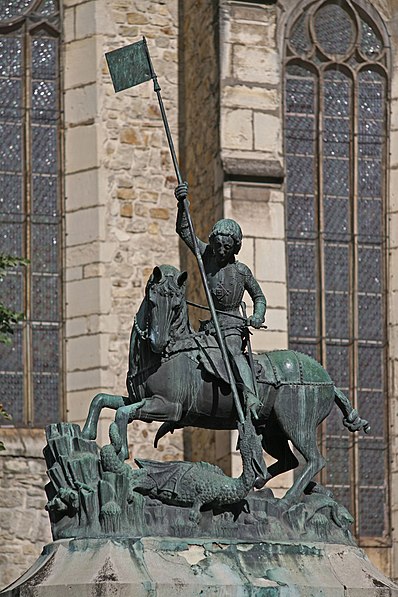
[99, 402]
[246, 378]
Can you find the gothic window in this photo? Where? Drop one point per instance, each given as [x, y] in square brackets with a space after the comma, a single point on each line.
[336, 92]
[30, 206]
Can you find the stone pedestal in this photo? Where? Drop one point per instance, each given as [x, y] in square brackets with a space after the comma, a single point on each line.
[169, 566]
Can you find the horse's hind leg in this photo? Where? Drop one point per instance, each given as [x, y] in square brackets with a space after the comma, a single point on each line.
[277, 446]
[124, 415]
[99, 402]
[314, 463]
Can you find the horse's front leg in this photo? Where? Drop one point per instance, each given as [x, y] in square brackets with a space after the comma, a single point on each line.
[99, 402]
[124, 415]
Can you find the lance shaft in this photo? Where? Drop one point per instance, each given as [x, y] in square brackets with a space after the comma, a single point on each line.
[197, 252]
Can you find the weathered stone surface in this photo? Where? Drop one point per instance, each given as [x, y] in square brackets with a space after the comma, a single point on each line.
[148, 566]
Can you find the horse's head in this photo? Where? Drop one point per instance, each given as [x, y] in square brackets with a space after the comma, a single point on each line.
[167, 309]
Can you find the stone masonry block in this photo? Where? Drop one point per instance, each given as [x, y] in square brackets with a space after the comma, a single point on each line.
[394, 149]
[267, 131]
[78, 402]
[277, 320]
[275, 293]
[81, 62]
[246, 254]
[392, 200]
[237, 129]
[269, 340]
[87, 352]
[86, 22]
[242, 96]
[255, 64]
[87, 296]
[81, 148]
[81, 104]
[81, 190]
[85, 225]
[69, 24]
[257, 219]
[270, 260]
[248, 33]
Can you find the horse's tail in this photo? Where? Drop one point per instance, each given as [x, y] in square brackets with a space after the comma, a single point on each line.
[351, 419]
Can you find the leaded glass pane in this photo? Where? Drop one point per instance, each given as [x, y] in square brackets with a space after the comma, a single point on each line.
[301, 135]
[10, 193]
[370, 178]
[45, 349]
[11, 99]
[11, 59]
[11, 355]
[44, 58]
[300, 174]
[371, 43]
[300, 96]
[337, 315]
[46, 405]
[302, 308]
[45, 247]
[370, 269]
[337, 267]
[336, 96]
[11, 237]
[370, 221]
[12, 290]
[9, 9]
[45, 195]
[11, 147]
[372, 501]
[371, 407]
[337, 450]
[370, 367]
[336, 218]
[11, 396]
[300, 39]
[334, 29]
[44, 150]
[301, 216]
[44, 101]
[370, 317]
[305, 348]
[48, 8]
[45, 298]
[338, 364]
[302, 258]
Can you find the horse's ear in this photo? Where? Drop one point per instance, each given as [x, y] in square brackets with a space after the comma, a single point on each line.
[156, 275]
[182, 278]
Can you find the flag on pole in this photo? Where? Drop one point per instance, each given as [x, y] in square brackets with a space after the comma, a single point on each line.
[130, 65]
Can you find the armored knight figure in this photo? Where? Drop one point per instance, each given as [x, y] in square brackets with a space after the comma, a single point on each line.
[227, 280]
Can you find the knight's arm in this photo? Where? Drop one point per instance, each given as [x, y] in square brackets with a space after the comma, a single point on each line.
[257, 296]
[182, 229]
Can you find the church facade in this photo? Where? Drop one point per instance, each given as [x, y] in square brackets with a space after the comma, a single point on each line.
[285, 116]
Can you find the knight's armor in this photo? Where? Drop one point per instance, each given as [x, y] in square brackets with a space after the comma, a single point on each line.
[227, 285]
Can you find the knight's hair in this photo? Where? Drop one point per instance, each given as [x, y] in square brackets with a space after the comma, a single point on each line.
[227, 227]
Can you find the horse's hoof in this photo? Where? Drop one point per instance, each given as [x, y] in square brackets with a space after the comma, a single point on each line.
[88, 434]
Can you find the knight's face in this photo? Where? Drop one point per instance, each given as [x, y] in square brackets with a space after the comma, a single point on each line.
[223, 248]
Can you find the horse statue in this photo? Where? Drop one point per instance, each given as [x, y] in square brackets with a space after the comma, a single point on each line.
[176, 377]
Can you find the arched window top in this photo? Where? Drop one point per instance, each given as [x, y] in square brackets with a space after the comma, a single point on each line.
[14, 12]
[338, 32]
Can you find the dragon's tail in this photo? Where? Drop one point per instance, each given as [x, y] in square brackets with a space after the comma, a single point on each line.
[351, 419]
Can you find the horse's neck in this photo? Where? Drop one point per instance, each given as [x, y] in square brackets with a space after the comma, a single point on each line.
[181, 327]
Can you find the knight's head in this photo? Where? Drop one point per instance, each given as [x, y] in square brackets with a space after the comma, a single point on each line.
[225, 240]
[165, 292]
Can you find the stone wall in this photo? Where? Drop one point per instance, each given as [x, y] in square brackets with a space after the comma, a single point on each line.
[24, 525]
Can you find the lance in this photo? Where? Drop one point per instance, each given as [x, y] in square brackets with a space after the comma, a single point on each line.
[130, 66]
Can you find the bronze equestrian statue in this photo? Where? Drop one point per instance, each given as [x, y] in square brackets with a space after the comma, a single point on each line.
[176, 376]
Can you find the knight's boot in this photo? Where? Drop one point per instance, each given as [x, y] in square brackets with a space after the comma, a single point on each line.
[252, 403]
